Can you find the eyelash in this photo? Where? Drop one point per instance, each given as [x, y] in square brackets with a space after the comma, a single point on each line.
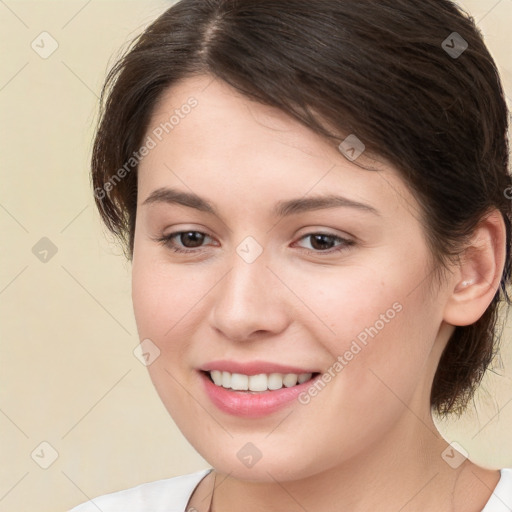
[344, 242]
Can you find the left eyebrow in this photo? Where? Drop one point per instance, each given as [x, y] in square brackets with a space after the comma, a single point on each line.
[295, 206]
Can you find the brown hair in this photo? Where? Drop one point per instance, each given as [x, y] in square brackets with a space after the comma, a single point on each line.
[395, 72]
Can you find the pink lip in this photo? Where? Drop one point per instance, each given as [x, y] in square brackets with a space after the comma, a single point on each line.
[253, 367]
[253, 405]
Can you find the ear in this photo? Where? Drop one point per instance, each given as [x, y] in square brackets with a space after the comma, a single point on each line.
[477, 276]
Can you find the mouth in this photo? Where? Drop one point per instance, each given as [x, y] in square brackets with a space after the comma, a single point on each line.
[255, 396]
[260, 383]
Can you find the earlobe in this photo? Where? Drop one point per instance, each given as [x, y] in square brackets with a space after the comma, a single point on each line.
[478, 274]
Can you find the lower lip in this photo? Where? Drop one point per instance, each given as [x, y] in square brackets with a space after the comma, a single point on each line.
[252, 405]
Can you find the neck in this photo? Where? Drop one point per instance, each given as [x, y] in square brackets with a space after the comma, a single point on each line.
[404, 471]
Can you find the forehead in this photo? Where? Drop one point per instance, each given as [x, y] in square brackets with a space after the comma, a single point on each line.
[210, 138]
[222, 114]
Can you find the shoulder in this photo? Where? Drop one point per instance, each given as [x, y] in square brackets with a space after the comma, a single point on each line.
[170, 495]
[501, 499]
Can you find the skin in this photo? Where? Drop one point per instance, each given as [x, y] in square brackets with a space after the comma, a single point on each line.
[298, 305]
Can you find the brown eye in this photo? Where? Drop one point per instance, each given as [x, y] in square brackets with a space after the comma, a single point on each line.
[325, 243]
[322, 242]
[184, 241]
[191, 239]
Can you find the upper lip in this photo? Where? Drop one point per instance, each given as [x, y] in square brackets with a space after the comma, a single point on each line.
[253, 367]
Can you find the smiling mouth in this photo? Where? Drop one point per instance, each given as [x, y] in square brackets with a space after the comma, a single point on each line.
[260, 383]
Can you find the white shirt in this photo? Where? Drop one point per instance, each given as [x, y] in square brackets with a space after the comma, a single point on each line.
[172, 495]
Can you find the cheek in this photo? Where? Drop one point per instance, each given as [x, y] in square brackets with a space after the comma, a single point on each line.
[163, 304]
[165, 297]
[380, 354]
[376, 324]
[344, 304]
[153, 300]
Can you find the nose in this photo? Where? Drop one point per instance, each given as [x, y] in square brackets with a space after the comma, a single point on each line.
[249, 303]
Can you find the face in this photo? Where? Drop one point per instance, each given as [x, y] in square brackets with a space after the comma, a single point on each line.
[261, 249]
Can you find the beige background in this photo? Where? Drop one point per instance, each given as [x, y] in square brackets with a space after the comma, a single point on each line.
[68, 373]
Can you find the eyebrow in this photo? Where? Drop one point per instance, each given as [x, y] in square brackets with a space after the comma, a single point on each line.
[281, 209]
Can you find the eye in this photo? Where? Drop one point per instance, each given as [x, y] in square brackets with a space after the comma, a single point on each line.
[192, 241]
[184, 241]
[325, 242]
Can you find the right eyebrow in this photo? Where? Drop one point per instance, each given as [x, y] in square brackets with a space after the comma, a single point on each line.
[173, 196]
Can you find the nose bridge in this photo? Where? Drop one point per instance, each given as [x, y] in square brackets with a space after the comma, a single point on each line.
[248, 299]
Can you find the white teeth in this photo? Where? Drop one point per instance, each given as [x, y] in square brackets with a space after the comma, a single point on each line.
[290, 380]
[275, 381]
[257, 383]
[216, 377]
[303, 377]
[240, 382]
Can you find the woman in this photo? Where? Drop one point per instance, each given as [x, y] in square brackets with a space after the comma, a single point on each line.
[313, 197]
